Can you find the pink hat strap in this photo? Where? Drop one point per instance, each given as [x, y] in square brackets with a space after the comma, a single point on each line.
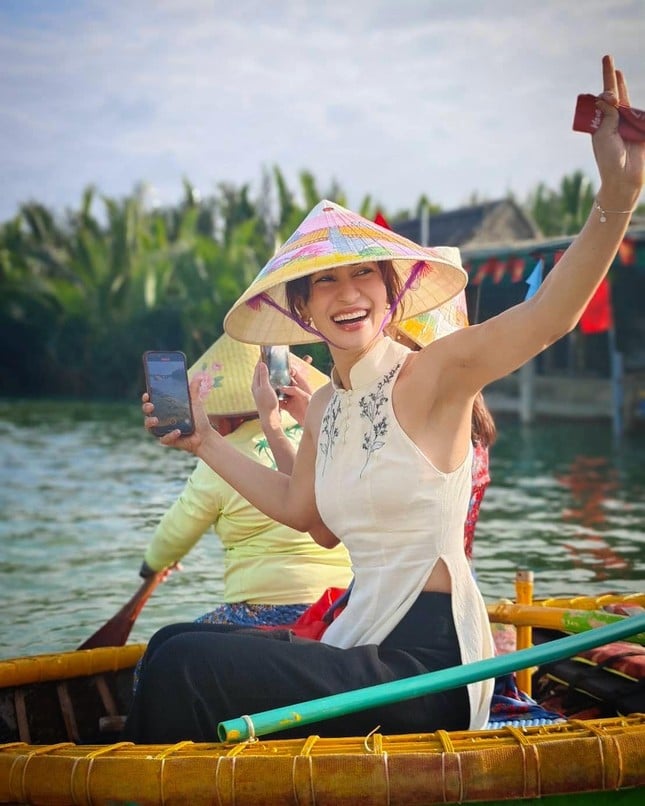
[256, 301]
[417, 269]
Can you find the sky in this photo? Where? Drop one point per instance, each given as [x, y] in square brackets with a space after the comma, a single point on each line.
[389, 98]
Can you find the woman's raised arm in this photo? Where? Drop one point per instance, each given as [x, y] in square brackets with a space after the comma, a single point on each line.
[483, 353]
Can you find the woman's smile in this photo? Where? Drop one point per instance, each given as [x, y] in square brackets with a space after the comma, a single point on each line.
[351, 319]
[348, 297]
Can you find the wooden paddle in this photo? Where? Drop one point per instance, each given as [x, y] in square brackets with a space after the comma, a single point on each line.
[115, 632]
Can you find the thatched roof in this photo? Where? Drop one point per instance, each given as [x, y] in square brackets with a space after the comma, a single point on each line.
[479, 224]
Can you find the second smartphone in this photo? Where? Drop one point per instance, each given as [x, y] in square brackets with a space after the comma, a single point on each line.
[276, 357]
[167, 384]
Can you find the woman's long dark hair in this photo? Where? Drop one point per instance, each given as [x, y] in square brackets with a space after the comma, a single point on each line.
[482, 429]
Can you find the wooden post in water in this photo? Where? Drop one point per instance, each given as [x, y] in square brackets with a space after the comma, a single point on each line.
[526, 403]
[617, 381]
[524, 596]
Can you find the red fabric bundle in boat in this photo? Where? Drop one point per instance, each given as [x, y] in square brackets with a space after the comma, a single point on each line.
[314, 621]
[620, 656]
[316, 618]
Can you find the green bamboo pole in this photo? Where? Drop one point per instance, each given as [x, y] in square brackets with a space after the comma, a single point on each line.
[554, 618]
[348, 702]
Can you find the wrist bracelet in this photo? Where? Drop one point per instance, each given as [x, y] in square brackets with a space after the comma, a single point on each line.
[604, 213]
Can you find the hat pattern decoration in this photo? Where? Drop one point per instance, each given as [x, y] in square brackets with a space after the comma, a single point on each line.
[226, 374]
[432, 325]
[332, 236]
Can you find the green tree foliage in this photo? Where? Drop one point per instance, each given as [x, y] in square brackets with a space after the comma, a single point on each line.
[84, 294]
[562, 211]
[83, 297]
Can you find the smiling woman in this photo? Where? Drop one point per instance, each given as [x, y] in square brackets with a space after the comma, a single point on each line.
[391, 434]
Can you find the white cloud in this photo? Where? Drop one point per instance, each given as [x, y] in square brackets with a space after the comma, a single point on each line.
[390, 99]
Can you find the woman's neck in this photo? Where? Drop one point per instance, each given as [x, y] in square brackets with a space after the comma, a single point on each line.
[344, 360]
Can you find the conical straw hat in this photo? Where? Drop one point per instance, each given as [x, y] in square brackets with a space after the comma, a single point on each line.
[333, 236]
[441, 321]
[227, 368]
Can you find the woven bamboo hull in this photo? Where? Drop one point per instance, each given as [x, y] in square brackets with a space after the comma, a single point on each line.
[54, 710]
[459, 767]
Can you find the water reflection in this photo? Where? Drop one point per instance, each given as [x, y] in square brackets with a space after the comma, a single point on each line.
[592, 483]
[82, 486]
[538, 514]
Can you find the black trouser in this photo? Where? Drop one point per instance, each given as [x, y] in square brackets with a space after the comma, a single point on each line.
[194, 676]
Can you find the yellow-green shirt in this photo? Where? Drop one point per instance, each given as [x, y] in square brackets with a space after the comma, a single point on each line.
[264, 561]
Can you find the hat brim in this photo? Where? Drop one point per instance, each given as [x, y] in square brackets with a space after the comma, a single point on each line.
[329, 237]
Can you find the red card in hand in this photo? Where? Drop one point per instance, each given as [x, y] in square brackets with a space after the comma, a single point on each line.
[587, 118]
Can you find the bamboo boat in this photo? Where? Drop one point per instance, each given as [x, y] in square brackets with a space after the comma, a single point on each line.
[61, 714]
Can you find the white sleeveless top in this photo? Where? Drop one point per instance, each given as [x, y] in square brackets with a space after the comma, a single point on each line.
[397, 515]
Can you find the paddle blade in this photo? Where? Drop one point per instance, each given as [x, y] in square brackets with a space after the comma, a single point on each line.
[115, 632]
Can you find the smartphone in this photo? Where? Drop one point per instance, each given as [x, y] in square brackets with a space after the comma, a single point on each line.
[167, 385]
[276, 357]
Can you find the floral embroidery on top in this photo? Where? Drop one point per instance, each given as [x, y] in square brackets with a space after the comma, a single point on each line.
[371, 406]
[329, 429]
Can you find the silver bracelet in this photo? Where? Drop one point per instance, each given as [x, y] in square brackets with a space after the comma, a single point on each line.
[604, 213]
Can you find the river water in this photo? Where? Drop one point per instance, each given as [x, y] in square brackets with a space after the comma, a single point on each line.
[82, 486]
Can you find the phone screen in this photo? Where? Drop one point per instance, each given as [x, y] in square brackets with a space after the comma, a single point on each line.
[167, 384]
[276, 357]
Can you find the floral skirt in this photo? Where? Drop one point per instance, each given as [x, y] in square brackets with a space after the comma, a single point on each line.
[243, 614]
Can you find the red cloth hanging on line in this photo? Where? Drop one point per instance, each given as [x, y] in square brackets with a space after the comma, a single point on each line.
[598, 316]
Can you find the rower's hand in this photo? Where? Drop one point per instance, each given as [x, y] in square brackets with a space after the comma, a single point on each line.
[168, 572]
[146, 571]
[298, 394]
[296, 402]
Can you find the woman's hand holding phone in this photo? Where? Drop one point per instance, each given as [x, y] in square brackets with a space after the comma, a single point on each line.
[202, 429]
[265, 396]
